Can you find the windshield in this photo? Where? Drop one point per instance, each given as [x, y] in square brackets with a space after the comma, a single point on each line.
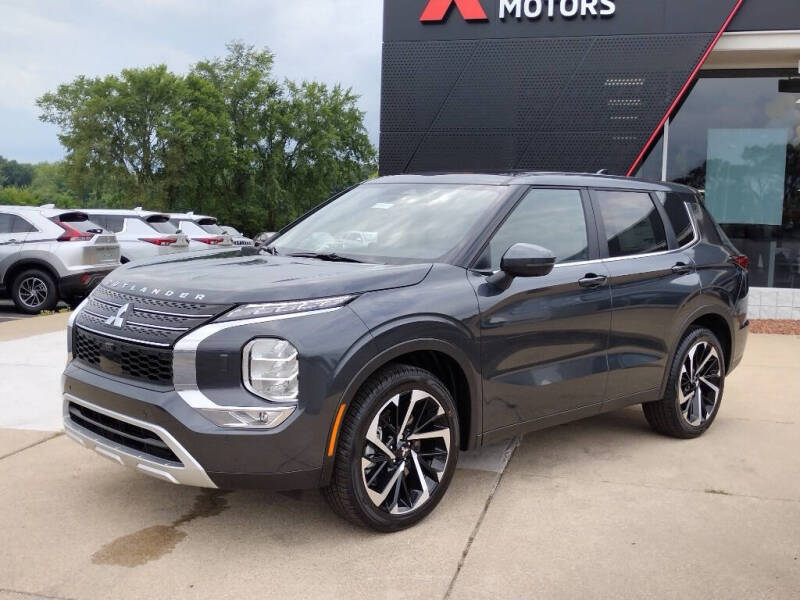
[420, 221]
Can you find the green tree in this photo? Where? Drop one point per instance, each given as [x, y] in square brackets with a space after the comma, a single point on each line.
[227, 139]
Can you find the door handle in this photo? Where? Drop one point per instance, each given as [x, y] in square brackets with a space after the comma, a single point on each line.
[593, 281]
[682, 268]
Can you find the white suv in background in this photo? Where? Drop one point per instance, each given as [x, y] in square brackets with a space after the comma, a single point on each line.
[201, 229]
[141, 234]
[49, 254]
[239, 239]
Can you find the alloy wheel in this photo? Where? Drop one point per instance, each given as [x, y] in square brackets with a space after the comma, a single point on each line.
[32, 292]
[699, 383]
[406, 451]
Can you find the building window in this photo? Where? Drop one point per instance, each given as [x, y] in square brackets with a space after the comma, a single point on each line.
[737, 139]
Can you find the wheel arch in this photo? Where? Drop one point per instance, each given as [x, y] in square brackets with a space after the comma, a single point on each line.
[28, 263]
[445, 360]
[713, 318]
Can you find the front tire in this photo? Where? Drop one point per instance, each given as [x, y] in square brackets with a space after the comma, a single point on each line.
[397, 450]
[34, 291]
[694, 390]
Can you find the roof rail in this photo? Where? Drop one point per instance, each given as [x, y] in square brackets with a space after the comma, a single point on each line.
[602, 172]
[48, 206]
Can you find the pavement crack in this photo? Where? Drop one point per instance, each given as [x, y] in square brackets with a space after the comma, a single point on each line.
[33, 595]
[513, 445]
[33, 445]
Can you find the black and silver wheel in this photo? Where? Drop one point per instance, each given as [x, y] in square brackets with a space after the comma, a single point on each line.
[34, 291]
[397, 450]
[694, 389]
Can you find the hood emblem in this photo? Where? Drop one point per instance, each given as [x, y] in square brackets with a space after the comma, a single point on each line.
[118, 320]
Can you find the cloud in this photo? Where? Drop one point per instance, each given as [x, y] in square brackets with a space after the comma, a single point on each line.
[49, 42]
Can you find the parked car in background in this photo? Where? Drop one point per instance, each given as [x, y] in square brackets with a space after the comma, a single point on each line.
[197, 227]
[239, 239]
[481, 307]
[264, 238]
[141, 234]
[48, 254]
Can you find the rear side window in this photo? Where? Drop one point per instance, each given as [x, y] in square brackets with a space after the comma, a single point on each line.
[632, 223]
[678, 215]
[553, 219]
[20, 225]
[110, 222]
[5, 222]
[14, 224]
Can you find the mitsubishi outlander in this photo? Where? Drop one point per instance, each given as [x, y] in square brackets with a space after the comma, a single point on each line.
[467, 309]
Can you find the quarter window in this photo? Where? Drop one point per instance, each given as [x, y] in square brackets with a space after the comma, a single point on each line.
[553, 219]
[5, 222]
[632, 223]
[678, 215]
[20, 225]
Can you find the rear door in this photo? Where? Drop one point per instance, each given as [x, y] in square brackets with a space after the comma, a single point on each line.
[651, 279]
[544, 339]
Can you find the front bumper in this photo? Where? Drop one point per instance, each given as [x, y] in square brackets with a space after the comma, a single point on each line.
[186, 471]
[207, 455]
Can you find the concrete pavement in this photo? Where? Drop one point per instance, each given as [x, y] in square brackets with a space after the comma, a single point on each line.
[600, 508]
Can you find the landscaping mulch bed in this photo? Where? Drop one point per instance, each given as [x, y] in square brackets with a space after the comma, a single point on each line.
[775, 326]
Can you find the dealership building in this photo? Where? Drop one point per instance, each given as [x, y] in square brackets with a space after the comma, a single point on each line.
[702, 92]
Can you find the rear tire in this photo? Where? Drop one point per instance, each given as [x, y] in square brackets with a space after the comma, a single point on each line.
[34, 291]
[694, 389]
[397, 450]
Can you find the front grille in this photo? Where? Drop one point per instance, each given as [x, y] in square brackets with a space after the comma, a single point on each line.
[122, 358]
[144, 320]
[127, 435]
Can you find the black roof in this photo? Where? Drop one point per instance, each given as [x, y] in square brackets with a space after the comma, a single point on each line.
[538, 178]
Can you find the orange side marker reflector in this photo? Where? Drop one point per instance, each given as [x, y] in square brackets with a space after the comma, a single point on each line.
[335, 430]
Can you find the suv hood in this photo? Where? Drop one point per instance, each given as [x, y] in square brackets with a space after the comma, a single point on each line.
[235, 277]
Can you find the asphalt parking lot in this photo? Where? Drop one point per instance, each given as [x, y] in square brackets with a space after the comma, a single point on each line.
[602, 508]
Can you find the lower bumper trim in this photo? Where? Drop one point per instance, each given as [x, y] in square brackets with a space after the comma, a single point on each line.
[187, 472]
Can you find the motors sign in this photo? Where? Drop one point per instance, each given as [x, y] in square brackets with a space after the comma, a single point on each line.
[473, 10]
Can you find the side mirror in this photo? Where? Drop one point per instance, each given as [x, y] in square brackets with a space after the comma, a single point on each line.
[523, 260]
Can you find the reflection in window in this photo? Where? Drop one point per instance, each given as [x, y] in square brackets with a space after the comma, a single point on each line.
[632, 223]
[552, 219]
[738, 139]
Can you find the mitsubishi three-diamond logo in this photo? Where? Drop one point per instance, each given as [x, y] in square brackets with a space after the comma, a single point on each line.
[436, 10]
[118, 320]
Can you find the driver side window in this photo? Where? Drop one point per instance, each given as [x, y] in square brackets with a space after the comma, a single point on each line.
[553, 219]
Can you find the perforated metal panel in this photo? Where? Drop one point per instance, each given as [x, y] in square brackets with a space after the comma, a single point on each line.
[555, 103]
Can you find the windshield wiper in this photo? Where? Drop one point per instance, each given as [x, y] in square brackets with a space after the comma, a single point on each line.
[329, 256]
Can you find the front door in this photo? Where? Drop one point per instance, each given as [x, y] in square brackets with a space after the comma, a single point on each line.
[544, 340]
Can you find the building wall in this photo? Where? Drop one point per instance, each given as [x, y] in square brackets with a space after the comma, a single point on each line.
[550, 94]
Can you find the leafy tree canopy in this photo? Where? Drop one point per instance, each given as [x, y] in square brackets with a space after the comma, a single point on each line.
[226, 139]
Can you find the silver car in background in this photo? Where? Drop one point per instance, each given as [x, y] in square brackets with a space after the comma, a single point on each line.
[49, 254]
[141, 234]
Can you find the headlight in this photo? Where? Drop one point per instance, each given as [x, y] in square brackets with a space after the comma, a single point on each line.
[271, 309]
[270, 369]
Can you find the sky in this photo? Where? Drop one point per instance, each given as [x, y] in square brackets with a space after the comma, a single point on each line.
[44, 43]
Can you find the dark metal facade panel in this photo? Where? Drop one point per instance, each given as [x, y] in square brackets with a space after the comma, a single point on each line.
[577, 102]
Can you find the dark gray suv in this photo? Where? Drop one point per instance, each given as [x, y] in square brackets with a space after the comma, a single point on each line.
[467, 309]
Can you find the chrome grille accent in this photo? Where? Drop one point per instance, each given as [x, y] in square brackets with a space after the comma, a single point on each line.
[149, 321]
